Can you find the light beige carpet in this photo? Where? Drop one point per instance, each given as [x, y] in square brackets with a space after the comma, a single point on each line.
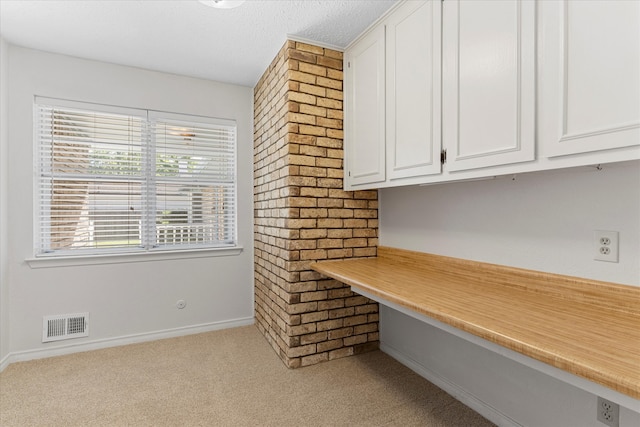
[224, 378]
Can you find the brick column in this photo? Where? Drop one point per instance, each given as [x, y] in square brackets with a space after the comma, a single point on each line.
[303, 215]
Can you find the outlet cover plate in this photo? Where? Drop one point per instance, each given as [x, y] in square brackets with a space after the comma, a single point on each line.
[608, 412]
[605, 245]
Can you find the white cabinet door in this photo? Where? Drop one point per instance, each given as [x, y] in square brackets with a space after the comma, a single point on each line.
[364, 110]
[413, 90]
[488, 83]
[590, 76]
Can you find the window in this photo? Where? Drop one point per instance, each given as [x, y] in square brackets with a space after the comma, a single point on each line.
[113, 179]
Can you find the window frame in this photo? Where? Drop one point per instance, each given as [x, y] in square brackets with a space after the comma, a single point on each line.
[42, 258]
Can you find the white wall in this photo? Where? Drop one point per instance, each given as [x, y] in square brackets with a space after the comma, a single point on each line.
[127, 301]
[4, 140]
[541, 221]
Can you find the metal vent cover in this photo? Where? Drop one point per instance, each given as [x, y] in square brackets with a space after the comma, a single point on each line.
[65, 326]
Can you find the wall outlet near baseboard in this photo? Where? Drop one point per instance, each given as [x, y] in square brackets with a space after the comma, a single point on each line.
[608, 412]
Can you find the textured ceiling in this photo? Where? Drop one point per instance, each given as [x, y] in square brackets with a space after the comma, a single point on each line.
[184, 36]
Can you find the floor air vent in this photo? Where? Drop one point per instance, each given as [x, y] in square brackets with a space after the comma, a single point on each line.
[65, 326]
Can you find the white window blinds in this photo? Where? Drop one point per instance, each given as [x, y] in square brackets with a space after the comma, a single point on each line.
[114, 179]
[194, 184]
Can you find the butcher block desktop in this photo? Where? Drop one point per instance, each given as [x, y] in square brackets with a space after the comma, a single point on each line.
[585, 327]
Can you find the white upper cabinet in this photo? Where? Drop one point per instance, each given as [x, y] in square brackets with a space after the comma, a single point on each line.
[365, 109]
[590, 76]
[413, 90]
[488, 83]
[501, 86]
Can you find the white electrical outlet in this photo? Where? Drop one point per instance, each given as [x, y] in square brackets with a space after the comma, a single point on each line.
[608, 412]
[605, 245]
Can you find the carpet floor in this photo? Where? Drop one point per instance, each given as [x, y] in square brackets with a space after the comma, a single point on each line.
[230, 377]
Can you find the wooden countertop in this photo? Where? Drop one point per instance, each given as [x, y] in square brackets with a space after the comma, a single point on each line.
[588, 328]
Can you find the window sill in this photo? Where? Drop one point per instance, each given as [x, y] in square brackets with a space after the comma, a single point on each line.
[68, 261]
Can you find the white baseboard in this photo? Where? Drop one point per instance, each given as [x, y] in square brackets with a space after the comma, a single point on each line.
[4, 362]
[70, 348]
[487, 411]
